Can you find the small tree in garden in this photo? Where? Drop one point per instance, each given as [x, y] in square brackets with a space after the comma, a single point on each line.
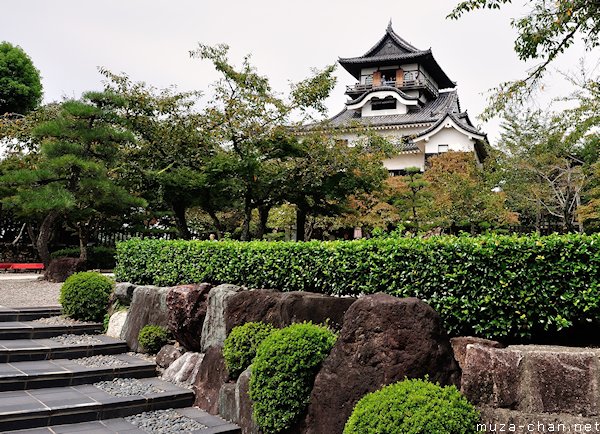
[410, 195]
[73, 175]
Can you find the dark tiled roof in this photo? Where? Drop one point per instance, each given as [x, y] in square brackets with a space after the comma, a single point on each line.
[392, 49]
[379, 89]
[430, 113]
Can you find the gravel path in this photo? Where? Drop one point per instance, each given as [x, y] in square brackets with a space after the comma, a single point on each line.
[25, 290]
[127, 387]
[164, 421]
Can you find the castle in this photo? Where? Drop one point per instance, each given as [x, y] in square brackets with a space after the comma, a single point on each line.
[404, 95]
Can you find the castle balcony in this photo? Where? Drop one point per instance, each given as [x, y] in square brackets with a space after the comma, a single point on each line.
[415, 82]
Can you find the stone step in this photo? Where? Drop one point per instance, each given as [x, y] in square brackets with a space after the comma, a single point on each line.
[66, 372]
[213, 424]
[25, 409]
[28, 313]
[18, 350]
[39, 330]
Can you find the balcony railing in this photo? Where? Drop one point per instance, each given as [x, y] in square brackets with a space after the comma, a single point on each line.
[418, 83]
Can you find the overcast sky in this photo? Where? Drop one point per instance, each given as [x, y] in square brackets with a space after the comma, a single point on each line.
[150, 40]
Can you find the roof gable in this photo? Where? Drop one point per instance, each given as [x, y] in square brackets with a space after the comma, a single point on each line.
[391, 45]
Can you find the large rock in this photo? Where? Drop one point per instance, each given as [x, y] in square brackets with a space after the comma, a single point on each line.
[534, 379]
[187, 306]
[211, 377]
[148, 306]
[284, 308]
[459, 346]
[124, 292]
[185, 369]
[167, 355]
[213, 329]
[116, 323]
[384, 339]
[61, 268]
[235, 404]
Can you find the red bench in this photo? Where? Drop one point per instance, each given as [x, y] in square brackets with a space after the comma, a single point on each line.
[21, 266]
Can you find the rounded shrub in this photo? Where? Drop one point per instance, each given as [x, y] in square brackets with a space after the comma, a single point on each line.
[152, 338]
[240, 346]
[413, 407]
[84, 296]
[283, 373]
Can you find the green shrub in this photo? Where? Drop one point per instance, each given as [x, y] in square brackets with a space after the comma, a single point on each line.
[84, 296]
[413, 407]
[490, 286]
[152, 338]
[240, 346]
[102, 258]
[283, 373]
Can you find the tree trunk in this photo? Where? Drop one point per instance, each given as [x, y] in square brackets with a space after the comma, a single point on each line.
[180, 220]
[300, 222]
[43, 237]
[217, 223]
[247, 218]
[263, 214]
[84, 235]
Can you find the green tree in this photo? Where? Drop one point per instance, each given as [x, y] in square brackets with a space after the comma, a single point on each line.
[252, 123]
[462, 197]
[328, 172]
[411, 197]
[20, 85]
[549, 29]
[73, 175]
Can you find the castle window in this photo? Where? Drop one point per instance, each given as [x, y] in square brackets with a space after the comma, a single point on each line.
[442, 149]
[388, 103]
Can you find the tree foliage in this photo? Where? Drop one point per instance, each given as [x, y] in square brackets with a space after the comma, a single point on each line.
[549, 29]
[20, 85]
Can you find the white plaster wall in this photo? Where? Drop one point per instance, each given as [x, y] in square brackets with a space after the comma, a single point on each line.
[400, 109]
[405, 161]
[455, 140]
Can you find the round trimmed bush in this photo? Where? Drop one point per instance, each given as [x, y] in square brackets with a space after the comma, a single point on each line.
[283, 373]
[152, 338]
[413, 407]
[239, 349]
[84, 296]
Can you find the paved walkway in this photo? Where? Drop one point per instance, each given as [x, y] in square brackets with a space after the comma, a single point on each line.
[47, 387]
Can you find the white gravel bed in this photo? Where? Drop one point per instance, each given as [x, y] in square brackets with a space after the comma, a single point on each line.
[127, 387]
[70, 339]
[164, 421]
[143, 356]
[27, 291]
[61, 320]
[100, 361]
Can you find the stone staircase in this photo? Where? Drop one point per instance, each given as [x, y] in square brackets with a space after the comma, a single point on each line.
[50, 383]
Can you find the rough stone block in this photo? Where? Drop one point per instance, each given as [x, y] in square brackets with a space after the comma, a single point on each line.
[187, 306]
[212, 375]
[167, 355]
[185, 369]
[124, 292]
[459, 346]
[213, 328]
[116, 323]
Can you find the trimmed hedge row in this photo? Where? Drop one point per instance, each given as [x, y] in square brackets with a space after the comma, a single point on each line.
[491, 286]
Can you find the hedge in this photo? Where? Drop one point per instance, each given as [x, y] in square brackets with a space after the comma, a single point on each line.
[490, 286]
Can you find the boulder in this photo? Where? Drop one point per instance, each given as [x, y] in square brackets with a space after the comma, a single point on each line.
[228, 409]
[124, 292]
[211, 377]
[459, 346]
[61, 268]
[534, 379]
[383, 340]
[116, 323]
[187, 309]
[148, 306]
[284, 308]
[490, 376]
[244, 405]
[184, 370]
[167, 355]
[213, 329]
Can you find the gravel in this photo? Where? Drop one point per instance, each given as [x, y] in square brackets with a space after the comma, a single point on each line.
[26, 291]
[61, 320]
[164, 421]
[70, 339]
[127, 387]
[100, 361]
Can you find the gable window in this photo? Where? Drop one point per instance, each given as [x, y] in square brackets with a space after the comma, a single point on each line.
[388, 103]
[442, 149]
